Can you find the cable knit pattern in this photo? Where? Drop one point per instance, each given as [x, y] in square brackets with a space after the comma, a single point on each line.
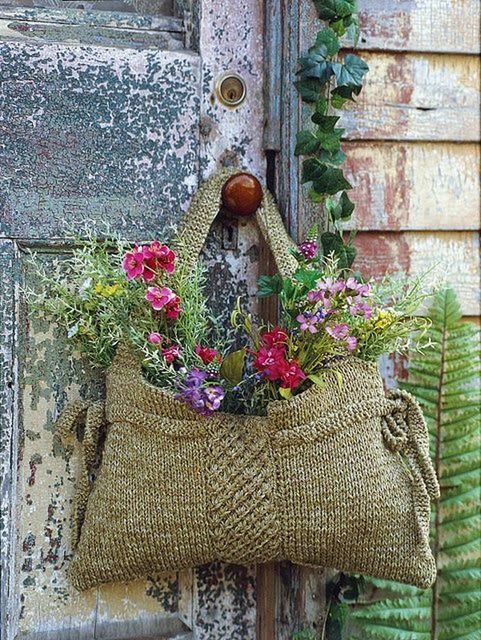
[338, 476]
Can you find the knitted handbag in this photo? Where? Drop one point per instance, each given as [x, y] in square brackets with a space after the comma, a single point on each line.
[338, 476]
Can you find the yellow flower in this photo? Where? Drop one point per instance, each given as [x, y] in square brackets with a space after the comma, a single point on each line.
[383, 319]
[99, 288]
[107, 290]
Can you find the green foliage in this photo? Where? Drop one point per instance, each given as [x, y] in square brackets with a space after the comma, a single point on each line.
[327, 83]
[446, 383]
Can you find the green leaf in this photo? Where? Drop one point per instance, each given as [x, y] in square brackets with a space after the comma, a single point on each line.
[331, 181]
[309, 89]
[328, 39]
[351, 72]
[444, 377]
[306, 143]
[347, 207]
[330, 141]
[285, 393]
[307, 277]
[334, 158]
[326, 123]
[345, 93]
[312, 169]
[269, 285]
[332, 9]
[315, 65]
[317, 380]
[232, 367]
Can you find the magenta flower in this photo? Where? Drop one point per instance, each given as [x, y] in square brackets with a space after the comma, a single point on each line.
[339, 331]
[171, 353]
[315, 295]
[351, 343]
[158, 298]
[160, 256]
[133, 263]
[308, 248]
[154, 338]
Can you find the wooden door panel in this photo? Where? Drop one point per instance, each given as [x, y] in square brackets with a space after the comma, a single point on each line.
[96, 135]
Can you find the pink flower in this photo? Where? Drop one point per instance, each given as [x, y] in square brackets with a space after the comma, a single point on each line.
[351, 343]
[159, 298]
[172, 308]
[155, 338]
[274, 338]
[361, 308]
[171, 353]
[339, 331]
[315, 296]
[291, 374]
[161, 257]
[133, 262]
[206, 354]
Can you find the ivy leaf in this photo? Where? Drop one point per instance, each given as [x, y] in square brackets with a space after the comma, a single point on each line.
[331, 181]
[332, 9]
[315, 65]
[331, 243]
[330, 141]
[269, 285]
[347, 207]
[306, 143]
[328, 39]
[232, 367]
[335, 158]
[312, 169]
[351, 72]
[321, 106]
[309, 89]
[345, 93]
[326, 123]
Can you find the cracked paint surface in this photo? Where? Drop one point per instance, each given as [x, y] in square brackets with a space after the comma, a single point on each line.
[96, 134]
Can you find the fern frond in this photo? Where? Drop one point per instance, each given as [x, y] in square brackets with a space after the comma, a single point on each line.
[446, 383]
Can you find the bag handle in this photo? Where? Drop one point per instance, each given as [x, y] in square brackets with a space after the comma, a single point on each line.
[205, 205]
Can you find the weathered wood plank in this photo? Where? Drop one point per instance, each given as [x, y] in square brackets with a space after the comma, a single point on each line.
[8, 432]
[444, 26]
[94, 135]
[450, 26]
[417, 97]
[114, 19]
[414, 185]
[453, 256]
[49, 32]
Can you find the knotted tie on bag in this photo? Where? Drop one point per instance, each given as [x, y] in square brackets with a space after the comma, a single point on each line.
[92, 414]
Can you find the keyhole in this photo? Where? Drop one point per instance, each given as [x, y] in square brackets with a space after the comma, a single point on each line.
[231, 90]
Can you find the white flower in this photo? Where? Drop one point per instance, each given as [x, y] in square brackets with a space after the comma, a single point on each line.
[86, 284]
[73, 330]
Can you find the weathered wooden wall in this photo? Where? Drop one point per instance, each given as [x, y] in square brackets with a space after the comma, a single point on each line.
[413, 140]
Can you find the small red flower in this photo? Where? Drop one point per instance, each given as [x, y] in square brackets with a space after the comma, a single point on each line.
[172, 308]
[274, 338]
[267, 360]
[160, 257]
[171, 353]
[291, 374]
[206, 354]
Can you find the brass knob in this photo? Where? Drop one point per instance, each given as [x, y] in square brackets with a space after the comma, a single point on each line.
[242, 194]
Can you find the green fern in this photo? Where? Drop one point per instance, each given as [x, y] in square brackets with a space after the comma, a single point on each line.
[446, 383]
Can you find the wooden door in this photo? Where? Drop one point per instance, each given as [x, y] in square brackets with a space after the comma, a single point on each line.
[109, 116]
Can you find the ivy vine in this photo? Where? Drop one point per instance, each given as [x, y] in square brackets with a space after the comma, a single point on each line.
[326, 83]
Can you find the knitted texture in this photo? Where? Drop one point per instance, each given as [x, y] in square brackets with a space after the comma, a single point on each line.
[338, 476]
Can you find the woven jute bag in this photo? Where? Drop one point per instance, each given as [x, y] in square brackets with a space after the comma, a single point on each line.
[338, 476]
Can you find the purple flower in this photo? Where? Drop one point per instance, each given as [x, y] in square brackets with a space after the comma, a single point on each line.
[202, 399]
[361, 308]
[196, 378]
[351, 343]
[213, 396]
[308, 248]
[339, 331]
[308, 322]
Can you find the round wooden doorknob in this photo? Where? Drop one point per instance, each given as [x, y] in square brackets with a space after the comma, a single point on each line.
[242, 194]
